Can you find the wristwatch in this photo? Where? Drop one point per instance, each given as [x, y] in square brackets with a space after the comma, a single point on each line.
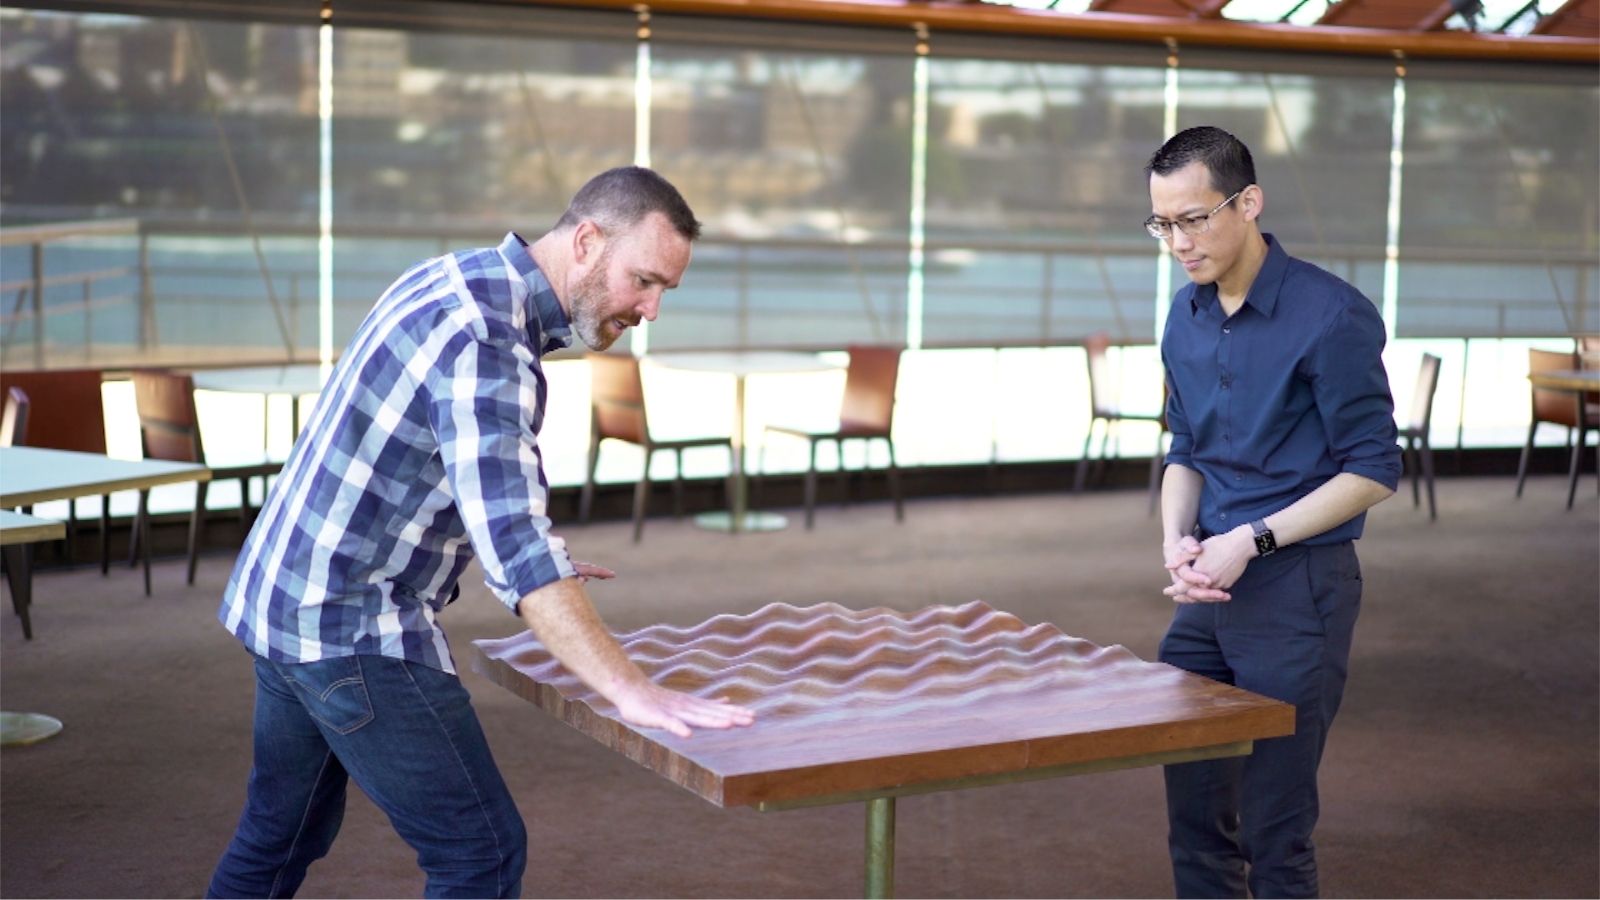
[1266, 544]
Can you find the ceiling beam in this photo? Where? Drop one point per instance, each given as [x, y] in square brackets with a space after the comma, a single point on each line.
[1551, 22]
[986, 18]
[1435, 20]
[1335, 11]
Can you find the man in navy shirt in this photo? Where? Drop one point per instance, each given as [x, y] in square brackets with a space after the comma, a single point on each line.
[1283, 436]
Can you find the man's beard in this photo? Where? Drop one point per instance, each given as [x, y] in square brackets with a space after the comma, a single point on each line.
[588, 296]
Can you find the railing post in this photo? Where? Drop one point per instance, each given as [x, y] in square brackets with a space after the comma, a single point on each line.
[38, 304]
[147, 312]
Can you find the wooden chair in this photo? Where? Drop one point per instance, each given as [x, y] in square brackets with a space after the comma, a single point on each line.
[66, 412]
[1556, 408]
[617, 412]
[1103, 407]
[14, 418]
[1418, 452]
[866, 413]
[169, 429]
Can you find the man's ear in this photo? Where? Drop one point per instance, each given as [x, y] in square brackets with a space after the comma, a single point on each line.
[587, 242]
[1253, 202]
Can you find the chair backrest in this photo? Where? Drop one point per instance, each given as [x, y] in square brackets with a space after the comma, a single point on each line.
[14, 418]
[168, 426]
[1422, 398]
[616, 398]
[869, 384]
[65, 409]
[1094, 348]
[1556, 407]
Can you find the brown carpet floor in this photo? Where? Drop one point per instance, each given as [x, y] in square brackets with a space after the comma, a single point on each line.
[1464, 762]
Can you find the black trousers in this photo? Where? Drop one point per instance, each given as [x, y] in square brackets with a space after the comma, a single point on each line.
[1285, 634]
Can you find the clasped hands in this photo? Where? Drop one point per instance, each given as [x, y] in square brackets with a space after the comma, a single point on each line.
[1203, 571]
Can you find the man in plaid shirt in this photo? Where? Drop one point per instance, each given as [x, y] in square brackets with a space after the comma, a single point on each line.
[421, 455]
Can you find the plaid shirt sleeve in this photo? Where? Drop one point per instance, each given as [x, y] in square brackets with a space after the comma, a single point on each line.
[484, 394]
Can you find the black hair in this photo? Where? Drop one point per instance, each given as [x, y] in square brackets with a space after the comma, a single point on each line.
[1224, 156]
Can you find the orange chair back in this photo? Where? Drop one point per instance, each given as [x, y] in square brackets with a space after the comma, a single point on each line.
[869, 385]
[168, 425]
[616, 397]
[65, 410]
[1094, 347]
[14, 418]
[1556, 407]
[1422, 400]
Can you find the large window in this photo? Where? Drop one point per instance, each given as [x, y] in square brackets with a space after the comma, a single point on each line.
[1500, 209]
[158, 188]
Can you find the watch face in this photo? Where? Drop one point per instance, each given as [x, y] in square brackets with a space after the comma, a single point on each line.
[1265, 543]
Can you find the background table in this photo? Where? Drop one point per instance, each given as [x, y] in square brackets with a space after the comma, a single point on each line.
[1580, 383]
[741, 364]
[17, 532]
[867, 706]
[30, 475]
[295, 381]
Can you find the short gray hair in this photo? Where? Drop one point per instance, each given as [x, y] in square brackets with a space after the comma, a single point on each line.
[617, 199]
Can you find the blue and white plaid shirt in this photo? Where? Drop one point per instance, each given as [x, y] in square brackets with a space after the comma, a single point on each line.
[421, 453]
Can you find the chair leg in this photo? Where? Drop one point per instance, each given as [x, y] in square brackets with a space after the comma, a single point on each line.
[843, 474]
[144, 537]
[641, 497]
[1427, 475]
[1576, 465]
[135, 532]
[1412, 460]
[197, 525]
[730, 485]
[72, 531]
[1080, 474]
[811, 488]
[1522, 462]
[756, 481]
[586, 498]
[677, 484]
[894, 484]
[105, 534]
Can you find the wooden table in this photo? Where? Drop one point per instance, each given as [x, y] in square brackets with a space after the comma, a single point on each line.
[30, 475]
[17, 532]
[1579, 383]
[742, 364]
[867, 706]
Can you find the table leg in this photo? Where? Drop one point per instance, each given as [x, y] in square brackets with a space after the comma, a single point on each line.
[880, 847]
[19, 572]
[738, 518]
[738, 502]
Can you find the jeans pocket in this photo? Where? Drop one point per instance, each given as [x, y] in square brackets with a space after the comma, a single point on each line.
[332, 691]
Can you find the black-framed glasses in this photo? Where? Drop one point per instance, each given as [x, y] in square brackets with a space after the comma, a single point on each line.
[1161, 229]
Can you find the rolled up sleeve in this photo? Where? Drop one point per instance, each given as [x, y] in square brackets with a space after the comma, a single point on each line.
[1352, 394]
[482, 400]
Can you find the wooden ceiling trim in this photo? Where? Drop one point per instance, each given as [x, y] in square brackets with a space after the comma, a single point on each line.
[1109, 26]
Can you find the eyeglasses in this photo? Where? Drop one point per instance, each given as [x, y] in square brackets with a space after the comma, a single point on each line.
[1161, 229]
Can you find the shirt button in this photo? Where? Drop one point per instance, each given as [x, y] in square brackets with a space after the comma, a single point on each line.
[1222, 516]
[1238, 478]
[1227, 330]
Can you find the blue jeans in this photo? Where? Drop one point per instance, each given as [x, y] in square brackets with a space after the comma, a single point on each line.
[408, 736]
[1285, 634]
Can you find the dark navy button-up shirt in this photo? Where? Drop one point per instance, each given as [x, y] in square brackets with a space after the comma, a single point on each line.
[1269, 403]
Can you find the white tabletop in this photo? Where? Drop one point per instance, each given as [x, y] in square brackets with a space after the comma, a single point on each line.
[16, 528]
[301, 378]
[30, 475]
[744, 362]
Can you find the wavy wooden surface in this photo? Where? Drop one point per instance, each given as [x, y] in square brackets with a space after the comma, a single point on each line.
[854, 700]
